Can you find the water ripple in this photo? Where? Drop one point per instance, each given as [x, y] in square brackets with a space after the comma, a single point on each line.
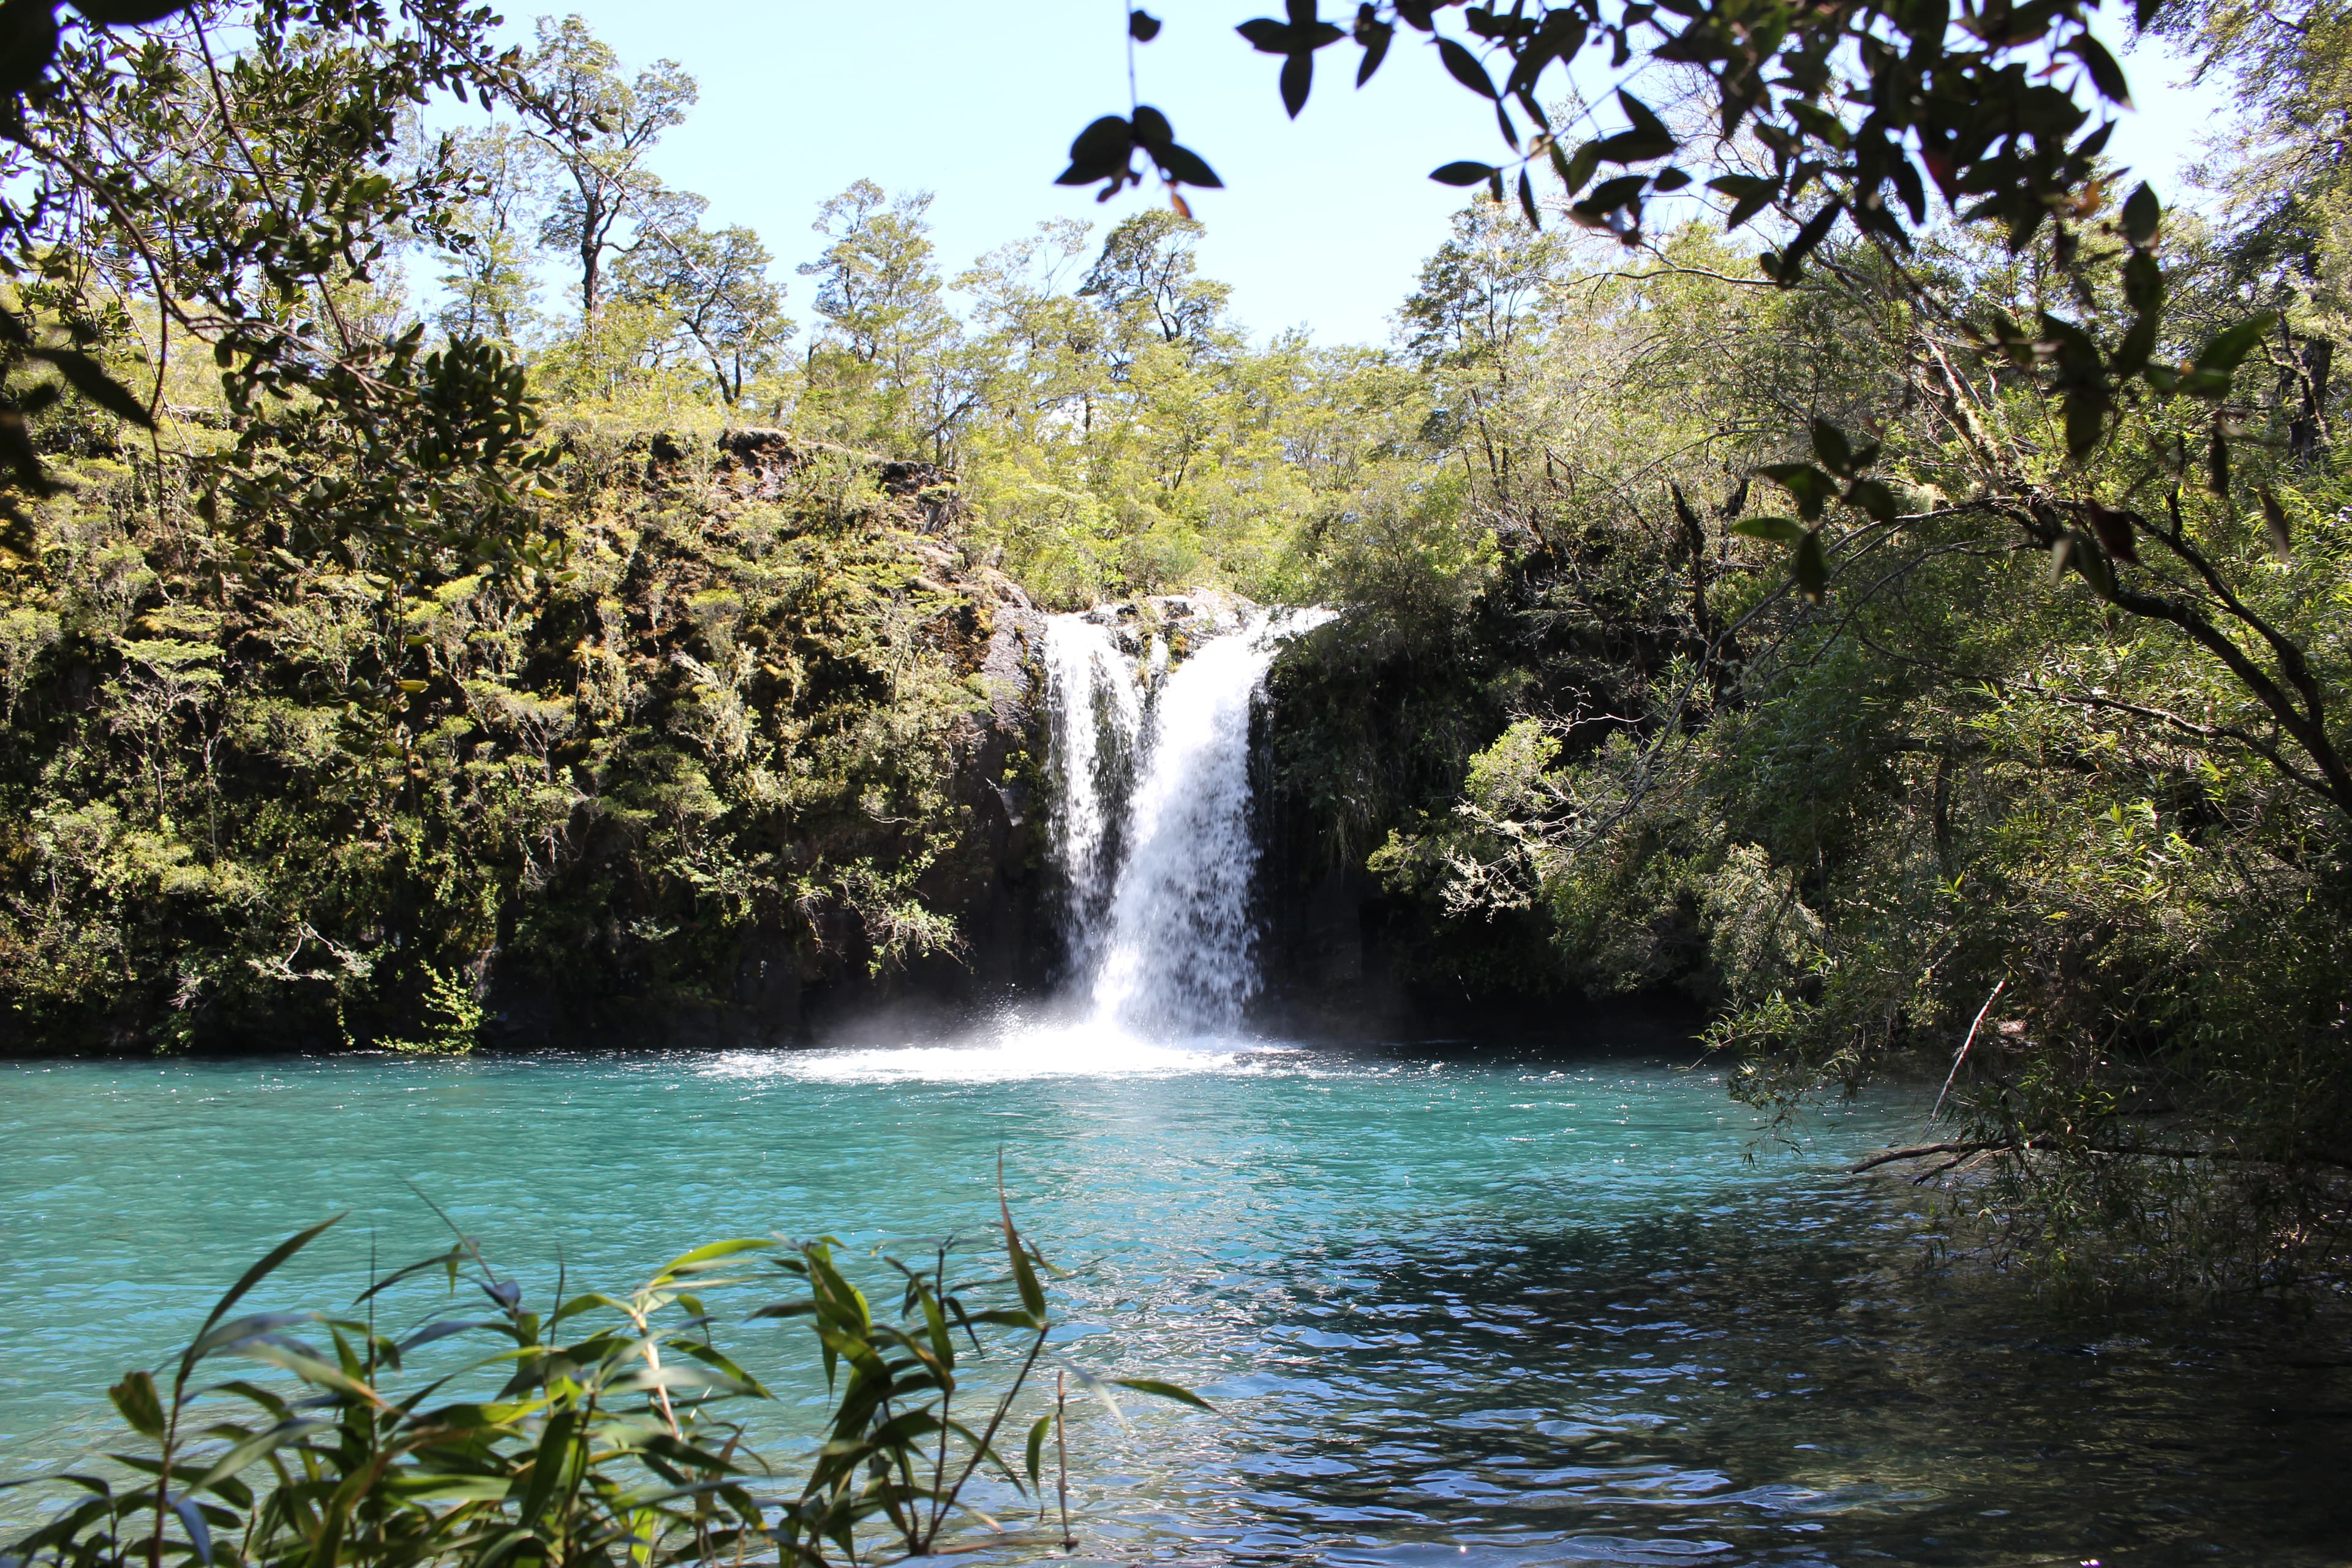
[1453, 1310]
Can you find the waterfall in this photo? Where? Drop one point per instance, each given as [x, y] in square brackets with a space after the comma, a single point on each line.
[1152, 819]
[1095, 721]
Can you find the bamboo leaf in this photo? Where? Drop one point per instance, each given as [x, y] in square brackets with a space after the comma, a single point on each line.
[135, 1397]
[1160, 1390]
[1024, 1278]
[702, 1256]
[192, 1519]
[1037, 1446]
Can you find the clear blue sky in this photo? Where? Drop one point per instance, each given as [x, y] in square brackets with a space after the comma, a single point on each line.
[1324, 221]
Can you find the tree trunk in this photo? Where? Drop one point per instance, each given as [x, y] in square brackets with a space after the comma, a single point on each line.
[2306, 431]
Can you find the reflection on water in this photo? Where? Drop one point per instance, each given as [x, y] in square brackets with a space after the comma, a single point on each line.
[1455, 1311]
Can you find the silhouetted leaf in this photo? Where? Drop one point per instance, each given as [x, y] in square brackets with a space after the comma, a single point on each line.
[1810, 567]
[2274, 523]
[1150, 130]
[1461, 172]
[1648, 137]
[2113, 529]
[1463, 66]
[28, 42]
[1186, 167]
[1610, 197]
[129, 12]
[2223, 353]
[1099, 152]
[2083, 557]
[2106, 74]
[1831, 445]
[1873, 498]
[2086, 411]
[1812, 489]
[1375, 36]
[1574, 171]
[135, 1397]
[1298, 81]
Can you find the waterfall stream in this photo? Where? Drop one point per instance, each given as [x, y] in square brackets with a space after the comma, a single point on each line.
[1094, 720]
[1151, 761]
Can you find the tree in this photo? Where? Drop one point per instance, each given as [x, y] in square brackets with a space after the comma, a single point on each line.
[883, 370]
[2286, 179]
[715, 287]
[1843, 121]
[597, 131]
[146, 168]
[1467, 323]
[488, 289]
[1147, 266]
[1827, 120]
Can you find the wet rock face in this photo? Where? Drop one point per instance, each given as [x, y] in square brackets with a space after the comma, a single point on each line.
[989, 880]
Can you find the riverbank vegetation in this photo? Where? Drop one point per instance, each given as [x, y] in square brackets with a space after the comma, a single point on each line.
[599, 1429]
[2030, 777]
[1924, 648]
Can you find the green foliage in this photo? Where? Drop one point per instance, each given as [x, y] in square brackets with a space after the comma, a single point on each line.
[2028, 779]
[174, 201]
[1927, 648]
[452, 1018]
[1861, 113]
[291, 803]
[601, 1429]
[881, 377]
[1124, 436]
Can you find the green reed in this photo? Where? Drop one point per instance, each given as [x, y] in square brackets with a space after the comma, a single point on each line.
[613, 1437]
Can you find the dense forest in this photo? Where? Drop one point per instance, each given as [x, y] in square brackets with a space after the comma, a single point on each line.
[450, 596]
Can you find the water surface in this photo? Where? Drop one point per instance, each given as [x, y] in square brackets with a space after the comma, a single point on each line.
[1455, 1308]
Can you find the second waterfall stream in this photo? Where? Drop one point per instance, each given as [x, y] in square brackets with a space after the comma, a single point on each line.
[1150, 767]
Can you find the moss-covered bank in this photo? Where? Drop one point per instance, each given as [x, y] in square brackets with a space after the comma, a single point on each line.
[763, 750]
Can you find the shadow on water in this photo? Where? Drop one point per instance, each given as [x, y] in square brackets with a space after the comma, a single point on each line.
[1760, 1379]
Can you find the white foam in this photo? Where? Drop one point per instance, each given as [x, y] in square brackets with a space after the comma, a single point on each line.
[1011, 1055]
